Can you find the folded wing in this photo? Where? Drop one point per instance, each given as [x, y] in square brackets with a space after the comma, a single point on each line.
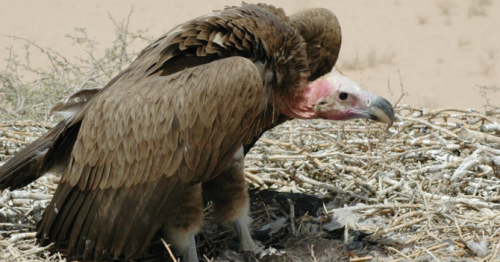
[140, 144]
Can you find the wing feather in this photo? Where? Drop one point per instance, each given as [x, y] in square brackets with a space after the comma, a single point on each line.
[321, 30]
[142, 176]
[167, 125]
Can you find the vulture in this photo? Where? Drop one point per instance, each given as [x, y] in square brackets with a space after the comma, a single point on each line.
[135, 156]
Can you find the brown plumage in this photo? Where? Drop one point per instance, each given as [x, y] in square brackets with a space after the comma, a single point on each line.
[133, 155]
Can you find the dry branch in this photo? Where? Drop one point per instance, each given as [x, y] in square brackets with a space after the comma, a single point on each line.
[431, 184]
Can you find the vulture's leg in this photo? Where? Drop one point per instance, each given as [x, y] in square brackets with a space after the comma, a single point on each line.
[242, 229]
[190, 254]
[184, 221]
[228, 192]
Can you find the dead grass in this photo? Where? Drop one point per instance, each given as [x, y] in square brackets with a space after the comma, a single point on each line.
[422, 19]
[487, 61]
[446, 10]
[427, 187]
[478, 8]
[371, 59]
[446, 7]
[462, 43]
[485, 91]
[30, 92]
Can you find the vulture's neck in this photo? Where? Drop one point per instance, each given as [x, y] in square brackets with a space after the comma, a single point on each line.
[301, 104]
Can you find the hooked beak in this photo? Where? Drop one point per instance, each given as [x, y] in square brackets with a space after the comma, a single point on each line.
[381, 111]
[364, 105]
[371, 106]
[347, 100]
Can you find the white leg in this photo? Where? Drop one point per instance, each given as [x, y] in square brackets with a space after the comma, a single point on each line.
[189, 254]
[243, 232]
[183, 244]
[184, 222]
[230, 199]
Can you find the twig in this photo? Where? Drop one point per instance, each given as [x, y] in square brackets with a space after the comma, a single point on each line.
[16, 237]
[167, 246]
[430, 125]
[331, 188]
[292, 216]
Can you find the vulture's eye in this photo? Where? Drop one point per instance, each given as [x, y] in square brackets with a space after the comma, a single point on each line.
[343, 96]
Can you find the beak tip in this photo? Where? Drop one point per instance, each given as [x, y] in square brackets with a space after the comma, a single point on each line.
[382, 111]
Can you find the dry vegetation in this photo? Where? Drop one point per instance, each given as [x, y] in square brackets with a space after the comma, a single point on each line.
[427, 189]
[372, 59]
[478, 8]
[29, 93]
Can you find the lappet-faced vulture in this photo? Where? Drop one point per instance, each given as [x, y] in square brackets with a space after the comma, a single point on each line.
[134, 155]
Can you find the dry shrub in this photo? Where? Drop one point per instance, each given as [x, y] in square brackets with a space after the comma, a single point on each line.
[428, 189]
[29, 93]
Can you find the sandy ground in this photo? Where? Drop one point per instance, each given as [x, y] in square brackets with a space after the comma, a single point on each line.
[443, 49]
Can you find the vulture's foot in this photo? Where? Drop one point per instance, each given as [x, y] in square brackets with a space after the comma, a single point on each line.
[243, 231]
[228, 192]
[189, 254]
[183, 243]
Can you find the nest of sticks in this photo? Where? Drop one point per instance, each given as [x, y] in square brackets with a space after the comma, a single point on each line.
[426, 189]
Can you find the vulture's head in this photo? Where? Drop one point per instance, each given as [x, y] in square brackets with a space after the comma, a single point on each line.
[343, 99]
[336, 97]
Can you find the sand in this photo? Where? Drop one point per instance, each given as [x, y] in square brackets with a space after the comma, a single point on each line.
[443, 50]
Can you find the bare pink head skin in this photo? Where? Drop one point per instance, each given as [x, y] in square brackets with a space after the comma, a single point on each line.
[336, 97]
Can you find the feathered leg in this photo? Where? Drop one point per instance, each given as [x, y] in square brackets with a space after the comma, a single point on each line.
[228, 192]
[184, 221]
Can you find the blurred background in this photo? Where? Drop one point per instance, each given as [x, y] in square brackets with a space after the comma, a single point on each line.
[440, 53]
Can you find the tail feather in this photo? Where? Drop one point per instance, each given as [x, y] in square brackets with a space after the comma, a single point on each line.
[74, 103]
[49, 153]
[22, 168]
[38, 158]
